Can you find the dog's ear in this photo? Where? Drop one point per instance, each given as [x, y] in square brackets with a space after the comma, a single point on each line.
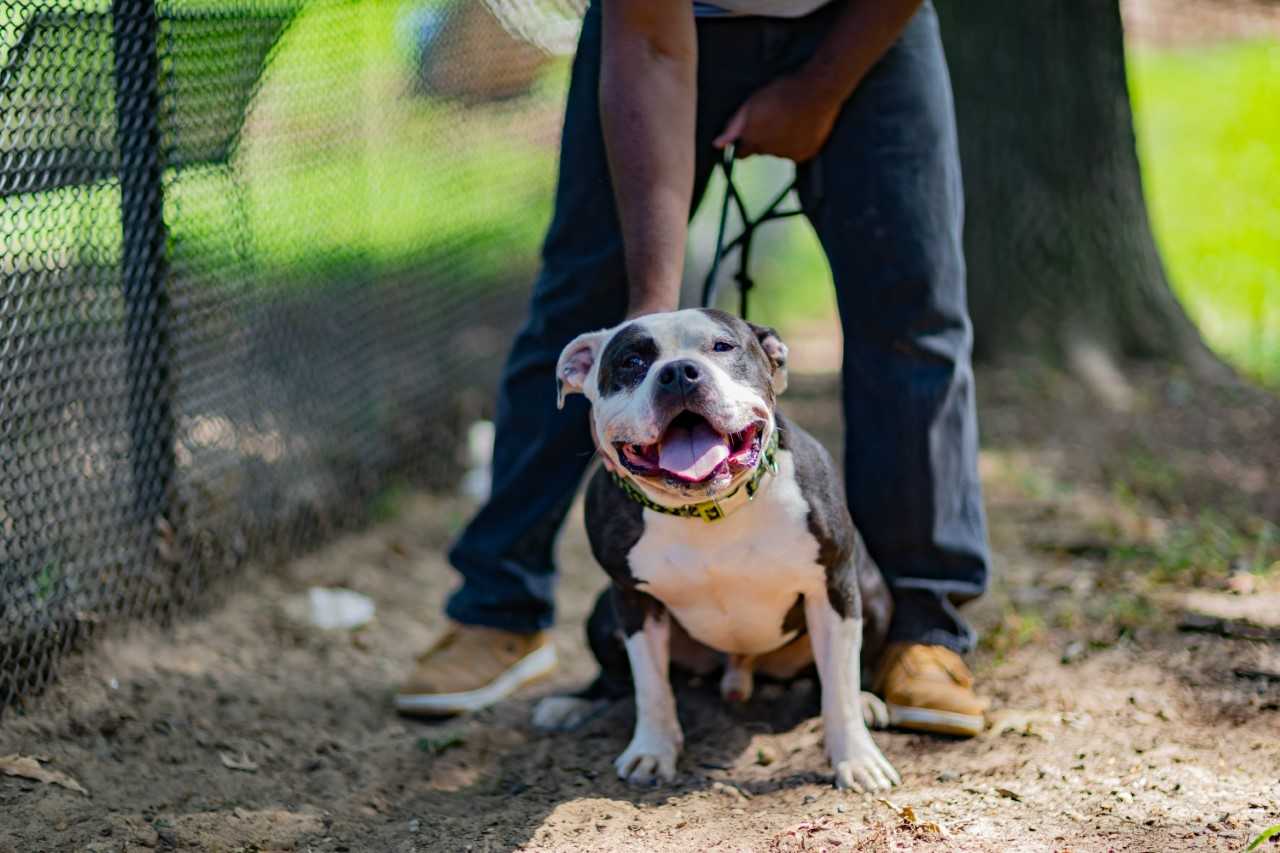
[576, 361]
[776, 350]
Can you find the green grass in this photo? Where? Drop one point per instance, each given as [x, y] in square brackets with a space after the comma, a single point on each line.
[1266, 835]
[1018, 627]
[1208, 125]
[338, 171]
[359, 168]
[1208, 548]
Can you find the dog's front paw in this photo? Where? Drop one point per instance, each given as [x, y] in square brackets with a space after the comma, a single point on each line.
[862, 765]
[649, 759]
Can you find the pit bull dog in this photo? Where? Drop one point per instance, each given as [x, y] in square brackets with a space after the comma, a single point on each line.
[726, 535]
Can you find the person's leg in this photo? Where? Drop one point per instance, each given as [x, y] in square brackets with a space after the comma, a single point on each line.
[886, 200]
[540, 453]
[507, 596]
[505, 553]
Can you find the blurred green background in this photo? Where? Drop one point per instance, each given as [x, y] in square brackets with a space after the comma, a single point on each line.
[1208, 123]
[339, 172]
[1208, 126]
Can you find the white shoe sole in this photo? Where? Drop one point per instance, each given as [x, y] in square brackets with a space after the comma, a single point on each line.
[927, 719]
[536, 663]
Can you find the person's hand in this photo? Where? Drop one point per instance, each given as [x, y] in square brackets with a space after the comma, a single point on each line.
[790, 117]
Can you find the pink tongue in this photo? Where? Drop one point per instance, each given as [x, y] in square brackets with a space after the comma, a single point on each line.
[692, 454]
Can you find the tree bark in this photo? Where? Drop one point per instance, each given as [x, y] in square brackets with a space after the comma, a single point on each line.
[1060, 253]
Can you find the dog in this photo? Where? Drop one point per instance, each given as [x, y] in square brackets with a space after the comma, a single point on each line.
[725, 532]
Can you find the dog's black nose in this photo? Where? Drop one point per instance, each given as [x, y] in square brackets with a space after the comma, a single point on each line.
[679, 377]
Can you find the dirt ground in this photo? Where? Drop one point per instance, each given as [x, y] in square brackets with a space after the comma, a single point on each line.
[1111, 729]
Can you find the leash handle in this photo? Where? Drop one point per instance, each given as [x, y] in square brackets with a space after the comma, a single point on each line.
[744, 238]
[730, 195]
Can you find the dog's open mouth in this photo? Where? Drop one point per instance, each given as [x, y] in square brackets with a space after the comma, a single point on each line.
[691, 450]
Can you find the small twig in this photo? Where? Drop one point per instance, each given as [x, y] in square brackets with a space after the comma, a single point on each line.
[1238, 629]
[1257, 674]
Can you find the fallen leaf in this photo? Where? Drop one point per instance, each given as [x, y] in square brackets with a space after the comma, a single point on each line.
[906, 812]
[29, 768]
[242, 763]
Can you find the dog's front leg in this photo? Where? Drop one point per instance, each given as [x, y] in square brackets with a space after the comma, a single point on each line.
[837, 647]
[651, 756]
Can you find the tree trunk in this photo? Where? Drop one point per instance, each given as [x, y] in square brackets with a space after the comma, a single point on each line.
[1060, 252]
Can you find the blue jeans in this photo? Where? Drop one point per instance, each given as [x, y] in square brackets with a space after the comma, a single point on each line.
[885, 199]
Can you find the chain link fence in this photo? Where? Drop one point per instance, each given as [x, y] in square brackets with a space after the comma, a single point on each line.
[259, 261]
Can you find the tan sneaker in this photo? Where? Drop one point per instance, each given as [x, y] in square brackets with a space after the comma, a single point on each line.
[471, 667]
[929, 689]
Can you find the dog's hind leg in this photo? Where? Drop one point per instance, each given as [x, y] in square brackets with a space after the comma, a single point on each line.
[561, 713]
[566, 713]
[604, 636]
[875, 713]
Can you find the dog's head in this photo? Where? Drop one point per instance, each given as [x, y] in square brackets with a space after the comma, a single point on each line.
[681, 402]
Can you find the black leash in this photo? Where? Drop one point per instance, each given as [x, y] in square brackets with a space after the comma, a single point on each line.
[743, 240]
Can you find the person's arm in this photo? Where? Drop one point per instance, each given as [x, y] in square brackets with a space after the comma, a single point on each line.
[648, 78]
[793, 115]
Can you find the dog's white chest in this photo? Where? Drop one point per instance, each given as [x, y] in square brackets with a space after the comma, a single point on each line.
[731, 583]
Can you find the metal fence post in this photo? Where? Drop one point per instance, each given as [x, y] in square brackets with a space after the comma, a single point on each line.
[135, 35]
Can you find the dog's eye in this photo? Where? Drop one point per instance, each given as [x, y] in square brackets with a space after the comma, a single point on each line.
[635, 362]
[723, 346]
